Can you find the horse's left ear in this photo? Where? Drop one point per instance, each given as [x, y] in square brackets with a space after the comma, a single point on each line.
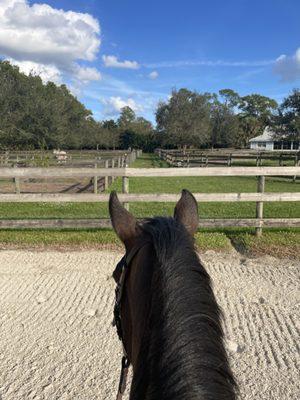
[122, 221]
[186, 211]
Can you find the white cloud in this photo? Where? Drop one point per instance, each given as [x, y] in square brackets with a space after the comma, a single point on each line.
[114, 104]
[288, 67]
[47, 37]
[46, 72]
[86, 74]
[113, 62]
[209, 63]
[153, 75]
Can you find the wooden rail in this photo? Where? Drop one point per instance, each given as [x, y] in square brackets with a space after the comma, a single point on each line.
[146, 172]
[259, 197]
[88, 223]
[148, 197]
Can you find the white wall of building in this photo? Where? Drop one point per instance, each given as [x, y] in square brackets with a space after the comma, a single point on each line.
[262, 145]
[269, 146]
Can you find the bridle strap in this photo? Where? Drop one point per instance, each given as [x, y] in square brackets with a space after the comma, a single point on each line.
[123, 377]
[125, 263]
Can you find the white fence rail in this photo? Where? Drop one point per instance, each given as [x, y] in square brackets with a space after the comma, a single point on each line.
[147, 172]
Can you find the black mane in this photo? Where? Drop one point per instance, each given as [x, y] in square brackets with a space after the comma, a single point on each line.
[182, 354]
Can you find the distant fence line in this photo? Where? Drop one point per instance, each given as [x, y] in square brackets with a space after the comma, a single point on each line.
[78, 158]
[195, 157]
[100, 182]
[125, 173]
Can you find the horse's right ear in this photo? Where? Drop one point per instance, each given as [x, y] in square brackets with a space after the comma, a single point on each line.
[122, 221]
[186, 211]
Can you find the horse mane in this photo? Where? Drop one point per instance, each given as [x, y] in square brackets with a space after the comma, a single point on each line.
[182, 353]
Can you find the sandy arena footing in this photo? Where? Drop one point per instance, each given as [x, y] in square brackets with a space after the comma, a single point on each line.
[57, 342]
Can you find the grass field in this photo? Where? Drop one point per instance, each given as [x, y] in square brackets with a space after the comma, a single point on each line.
[206, 239]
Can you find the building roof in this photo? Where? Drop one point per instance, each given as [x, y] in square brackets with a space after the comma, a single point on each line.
[267, 136]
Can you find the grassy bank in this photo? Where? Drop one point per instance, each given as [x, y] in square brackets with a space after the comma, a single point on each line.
[94, 238]
[277, 243]
[273, 242]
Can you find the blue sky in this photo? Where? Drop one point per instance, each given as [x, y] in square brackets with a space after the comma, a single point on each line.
[141, 50]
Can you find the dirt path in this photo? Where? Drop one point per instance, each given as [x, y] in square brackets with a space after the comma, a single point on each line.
[56, 339]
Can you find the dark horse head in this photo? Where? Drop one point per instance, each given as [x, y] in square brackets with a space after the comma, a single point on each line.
[171, 322]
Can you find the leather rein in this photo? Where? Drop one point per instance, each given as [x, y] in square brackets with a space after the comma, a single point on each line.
[124, 264]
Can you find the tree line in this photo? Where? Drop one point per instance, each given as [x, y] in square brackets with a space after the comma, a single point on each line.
[34, 115]
[225, 119]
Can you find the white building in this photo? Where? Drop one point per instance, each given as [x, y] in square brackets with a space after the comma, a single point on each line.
[267, 142]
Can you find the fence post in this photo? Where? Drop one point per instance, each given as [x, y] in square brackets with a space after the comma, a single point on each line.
[113, 166]
[125, 185]
[297, 162]
[229, 160]
[17, 183]
[106, 177]
[95, 182]
[260, 204]
[257, 159]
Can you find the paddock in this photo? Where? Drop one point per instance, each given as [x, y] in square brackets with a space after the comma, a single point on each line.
[57, 342]
[62, 160]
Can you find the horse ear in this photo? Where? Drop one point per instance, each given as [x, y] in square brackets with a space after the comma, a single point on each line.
[186, 211]
[122, 221]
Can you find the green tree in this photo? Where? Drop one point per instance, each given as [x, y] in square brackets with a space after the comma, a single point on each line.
[287, 121]
[127, 117]
[135, 132]
[256, 112]
[231, 98]
[35, 115]
[111, 133]
[259, 107]
[225, 131]
[185, 119]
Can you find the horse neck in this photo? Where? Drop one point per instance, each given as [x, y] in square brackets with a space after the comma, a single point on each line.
[182, 353]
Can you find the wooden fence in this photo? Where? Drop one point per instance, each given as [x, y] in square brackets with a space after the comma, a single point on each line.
[99, 184]
[125, 173]
[227, 157]
[71, 158]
